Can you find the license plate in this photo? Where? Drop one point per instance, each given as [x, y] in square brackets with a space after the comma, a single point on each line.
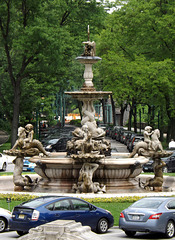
[135, 217]
[21, 216]
[146, 168]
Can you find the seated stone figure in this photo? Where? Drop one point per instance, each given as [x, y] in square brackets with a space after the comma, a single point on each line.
[25, 144]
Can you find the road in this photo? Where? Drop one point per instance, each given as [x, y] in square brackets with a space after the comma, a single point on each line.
[112, 234]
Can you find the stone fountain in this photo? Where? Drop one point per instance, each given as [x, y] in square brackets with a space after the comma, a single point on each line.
[88, 166]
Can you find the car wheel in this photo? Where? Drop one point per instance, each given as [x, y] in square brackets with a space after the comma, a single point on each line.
[21, 233]
[130, 233]
[102, 226]
[169, 231]
[4, 167]
[3, 224]
[165, 170]
[53, 150]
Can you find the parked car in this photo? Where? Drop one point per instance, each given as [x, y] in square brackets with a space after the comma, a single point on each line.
[108, 131]
[127, 137]
[50, 208]
[170, 164]
[58, 145]
[3, 162]
[28, 166]
[150, 214]
[123, 136]
[134, 141]
[129, 140]
[115, 132]
[5, 216]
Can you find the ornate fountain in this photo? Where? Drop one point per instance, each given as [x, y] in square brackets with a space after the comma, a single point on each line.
[88, 166]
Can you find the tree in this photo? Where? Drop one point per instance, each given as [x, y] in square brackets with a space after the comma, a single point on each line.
[37, 42]
[139, 64]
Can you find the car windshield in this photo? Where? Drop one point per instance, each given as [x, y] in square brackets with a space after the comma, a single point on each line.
[147, 203]
[52, 141]
[37, 202]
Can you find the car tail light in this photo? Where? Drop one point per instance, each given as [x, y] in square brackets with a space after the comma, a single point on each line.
[122, 215]
[133, 140]
[35, 215]
[155, 216]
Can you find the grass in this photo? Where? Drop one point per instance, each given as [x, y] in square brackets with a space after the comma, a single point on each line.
[5, 146]
[11, 173]
[114, 208]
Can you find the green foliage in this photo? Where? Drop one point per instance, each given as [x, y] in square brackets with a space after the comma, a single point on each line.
[137, 48]
[75, 122]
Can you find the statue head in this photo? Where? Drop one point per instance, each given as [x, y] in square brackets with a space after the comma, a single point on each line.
[29, 127]
[148, 128]
[85, 128]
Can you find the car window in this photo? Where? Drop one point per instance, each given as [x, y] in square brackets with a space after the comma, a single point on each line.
[36, 202]
[50, 207]
[171, 204]
[147, 203]
[62, 205]
[80, 205]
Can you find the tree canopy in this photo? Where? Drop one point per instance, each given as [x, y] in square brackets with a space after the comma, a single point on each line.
[137, 48]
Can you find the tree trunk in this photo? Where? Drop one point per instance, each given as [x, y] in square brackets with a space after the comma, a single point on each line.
[130, 118]
[16, 109]
[113, 110]
[104, 111]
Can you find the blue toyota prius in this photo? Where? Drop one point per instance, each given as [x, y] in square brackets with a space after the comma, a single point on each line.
[45, 209]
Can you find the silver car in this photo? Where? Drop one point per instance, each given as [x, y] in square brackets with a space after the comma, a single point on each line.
[150, 214]
[5, 216]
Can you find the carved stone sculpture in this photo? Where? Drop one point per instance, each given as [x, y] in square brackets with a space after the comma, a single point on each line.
[25, 145]
[156, 182]
[152, 147]
[89, 49]
[85, 183]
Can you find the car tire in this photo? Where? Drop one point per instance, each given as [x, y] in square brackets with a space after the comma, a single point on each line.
[21, 233]
[54, 150]
[170, 229]
[102, 225]
[165, 170]
[130, 233]
[4, 166]
[3, 224]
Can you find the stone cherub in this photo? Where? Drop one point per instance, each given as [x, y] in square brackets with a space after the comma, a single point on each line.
[150, 145]
[25, 144]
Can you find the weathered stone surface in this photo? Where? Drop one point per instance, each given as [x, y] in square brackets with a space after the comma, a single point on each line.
[61, 230]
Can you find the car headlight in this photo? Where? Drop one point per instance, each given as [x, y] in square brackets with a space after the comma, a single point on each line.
[49, 147]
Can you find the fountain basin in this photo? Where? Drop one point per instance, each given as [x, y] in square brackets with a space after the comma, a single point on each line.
[60, 172]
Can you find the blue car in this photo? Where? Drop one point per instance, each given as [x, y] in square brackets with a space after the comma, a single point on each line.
[45, 209]
[151, 214]
[28, 166]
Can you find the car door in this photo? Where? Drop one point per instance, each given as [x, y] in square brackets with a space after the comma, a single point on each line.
[85, 213]
[59, 210]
